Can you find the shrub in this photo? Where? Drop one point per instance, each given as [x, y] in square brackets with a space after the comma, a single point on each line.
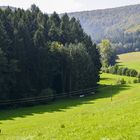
[124, 71]
[138, 75]
[129, 81]
[113, 69]
[133, 73]
[116, 69]
[107, 70]
[135, 81]
[138, 80]
[62, 126]
[121, 81]
[119, 71]
[128, 72]
[110, 70]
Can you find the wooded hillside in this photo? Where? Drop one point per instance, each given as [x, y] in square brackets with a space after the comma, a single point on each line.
[42, 55]
[120, 25]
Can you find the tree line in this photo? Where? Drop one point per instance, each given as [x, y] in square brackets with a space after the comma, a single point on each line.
[39, 53]
[120, 25]
[128, 42]
[121, 71]
[108, 53]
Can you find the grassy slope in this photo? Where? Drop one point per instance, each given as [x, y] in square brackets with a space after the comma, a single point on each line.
[90, 118]
[130, 60]
[111, 79]
[111, 114]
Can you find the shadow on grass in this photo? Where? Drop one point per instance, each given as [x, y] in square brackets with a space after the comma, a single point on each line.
[60, 105]
[120, 64]
[104, 79]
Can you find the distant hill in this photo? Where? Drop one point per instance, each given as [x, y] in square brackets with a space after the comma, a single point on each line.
[120, 25]
[109, 23]
[4, 7]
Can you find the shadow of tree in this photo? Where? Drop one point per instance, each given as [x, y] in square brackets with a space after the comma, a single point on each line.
[105, 78]
[104, 91]
[119, 64]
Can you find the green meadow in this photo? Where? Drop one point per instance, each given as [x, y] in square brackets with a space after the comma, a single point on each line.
[130, 60]
[111, 79]
[112, 113]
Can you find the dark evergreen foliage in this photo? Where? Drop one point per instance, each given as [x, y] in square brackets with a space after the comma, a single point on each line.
[41, 53]
[121, 71]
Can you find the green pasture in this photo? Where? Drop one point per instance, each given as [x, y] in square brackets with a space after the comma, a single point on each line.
[112, 113]
[130, 60]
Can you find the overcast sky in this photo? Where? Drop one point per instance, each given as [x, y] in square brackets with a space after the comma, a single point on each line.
[62, 6]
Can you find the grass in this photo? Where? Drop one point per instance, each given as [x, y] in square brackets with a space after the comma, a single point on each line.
[111, 114]
[111, 79]
[130, 60]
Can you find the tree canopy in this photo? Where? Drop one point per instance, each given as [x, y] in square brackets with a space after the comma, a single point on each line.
[107, 52]
[40, 52]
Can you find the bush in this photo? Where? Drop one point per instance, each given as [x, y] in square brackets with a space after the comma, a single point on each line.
[107, 70]
[129, 82]
[138, 75]
[113, 69]
[110, 69]
[121, 81]
[133, 73]
[128, 72]
[121, 71]
[135, 81]
[138, 80]
[124, 71]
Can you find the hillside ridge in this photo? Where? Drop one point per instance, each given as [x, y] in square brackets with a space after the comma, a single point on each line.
[108, 23]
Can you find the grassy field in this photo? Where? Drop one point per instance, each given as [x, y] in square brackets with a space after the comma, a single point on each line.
[130, 60]
[111, 79]
[111, 114]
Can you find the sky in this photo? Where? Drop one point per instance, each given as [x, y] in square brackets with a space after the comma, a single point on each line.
[62, 6]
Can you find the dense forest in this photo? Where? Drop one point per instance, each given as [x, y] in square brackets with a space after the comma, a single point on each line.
[40, 52]
[120, 25]
[129, 41]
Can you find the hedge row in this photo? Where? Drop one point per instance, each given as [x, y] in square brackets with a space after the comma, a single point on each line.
[122, 81]
[121, 71]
